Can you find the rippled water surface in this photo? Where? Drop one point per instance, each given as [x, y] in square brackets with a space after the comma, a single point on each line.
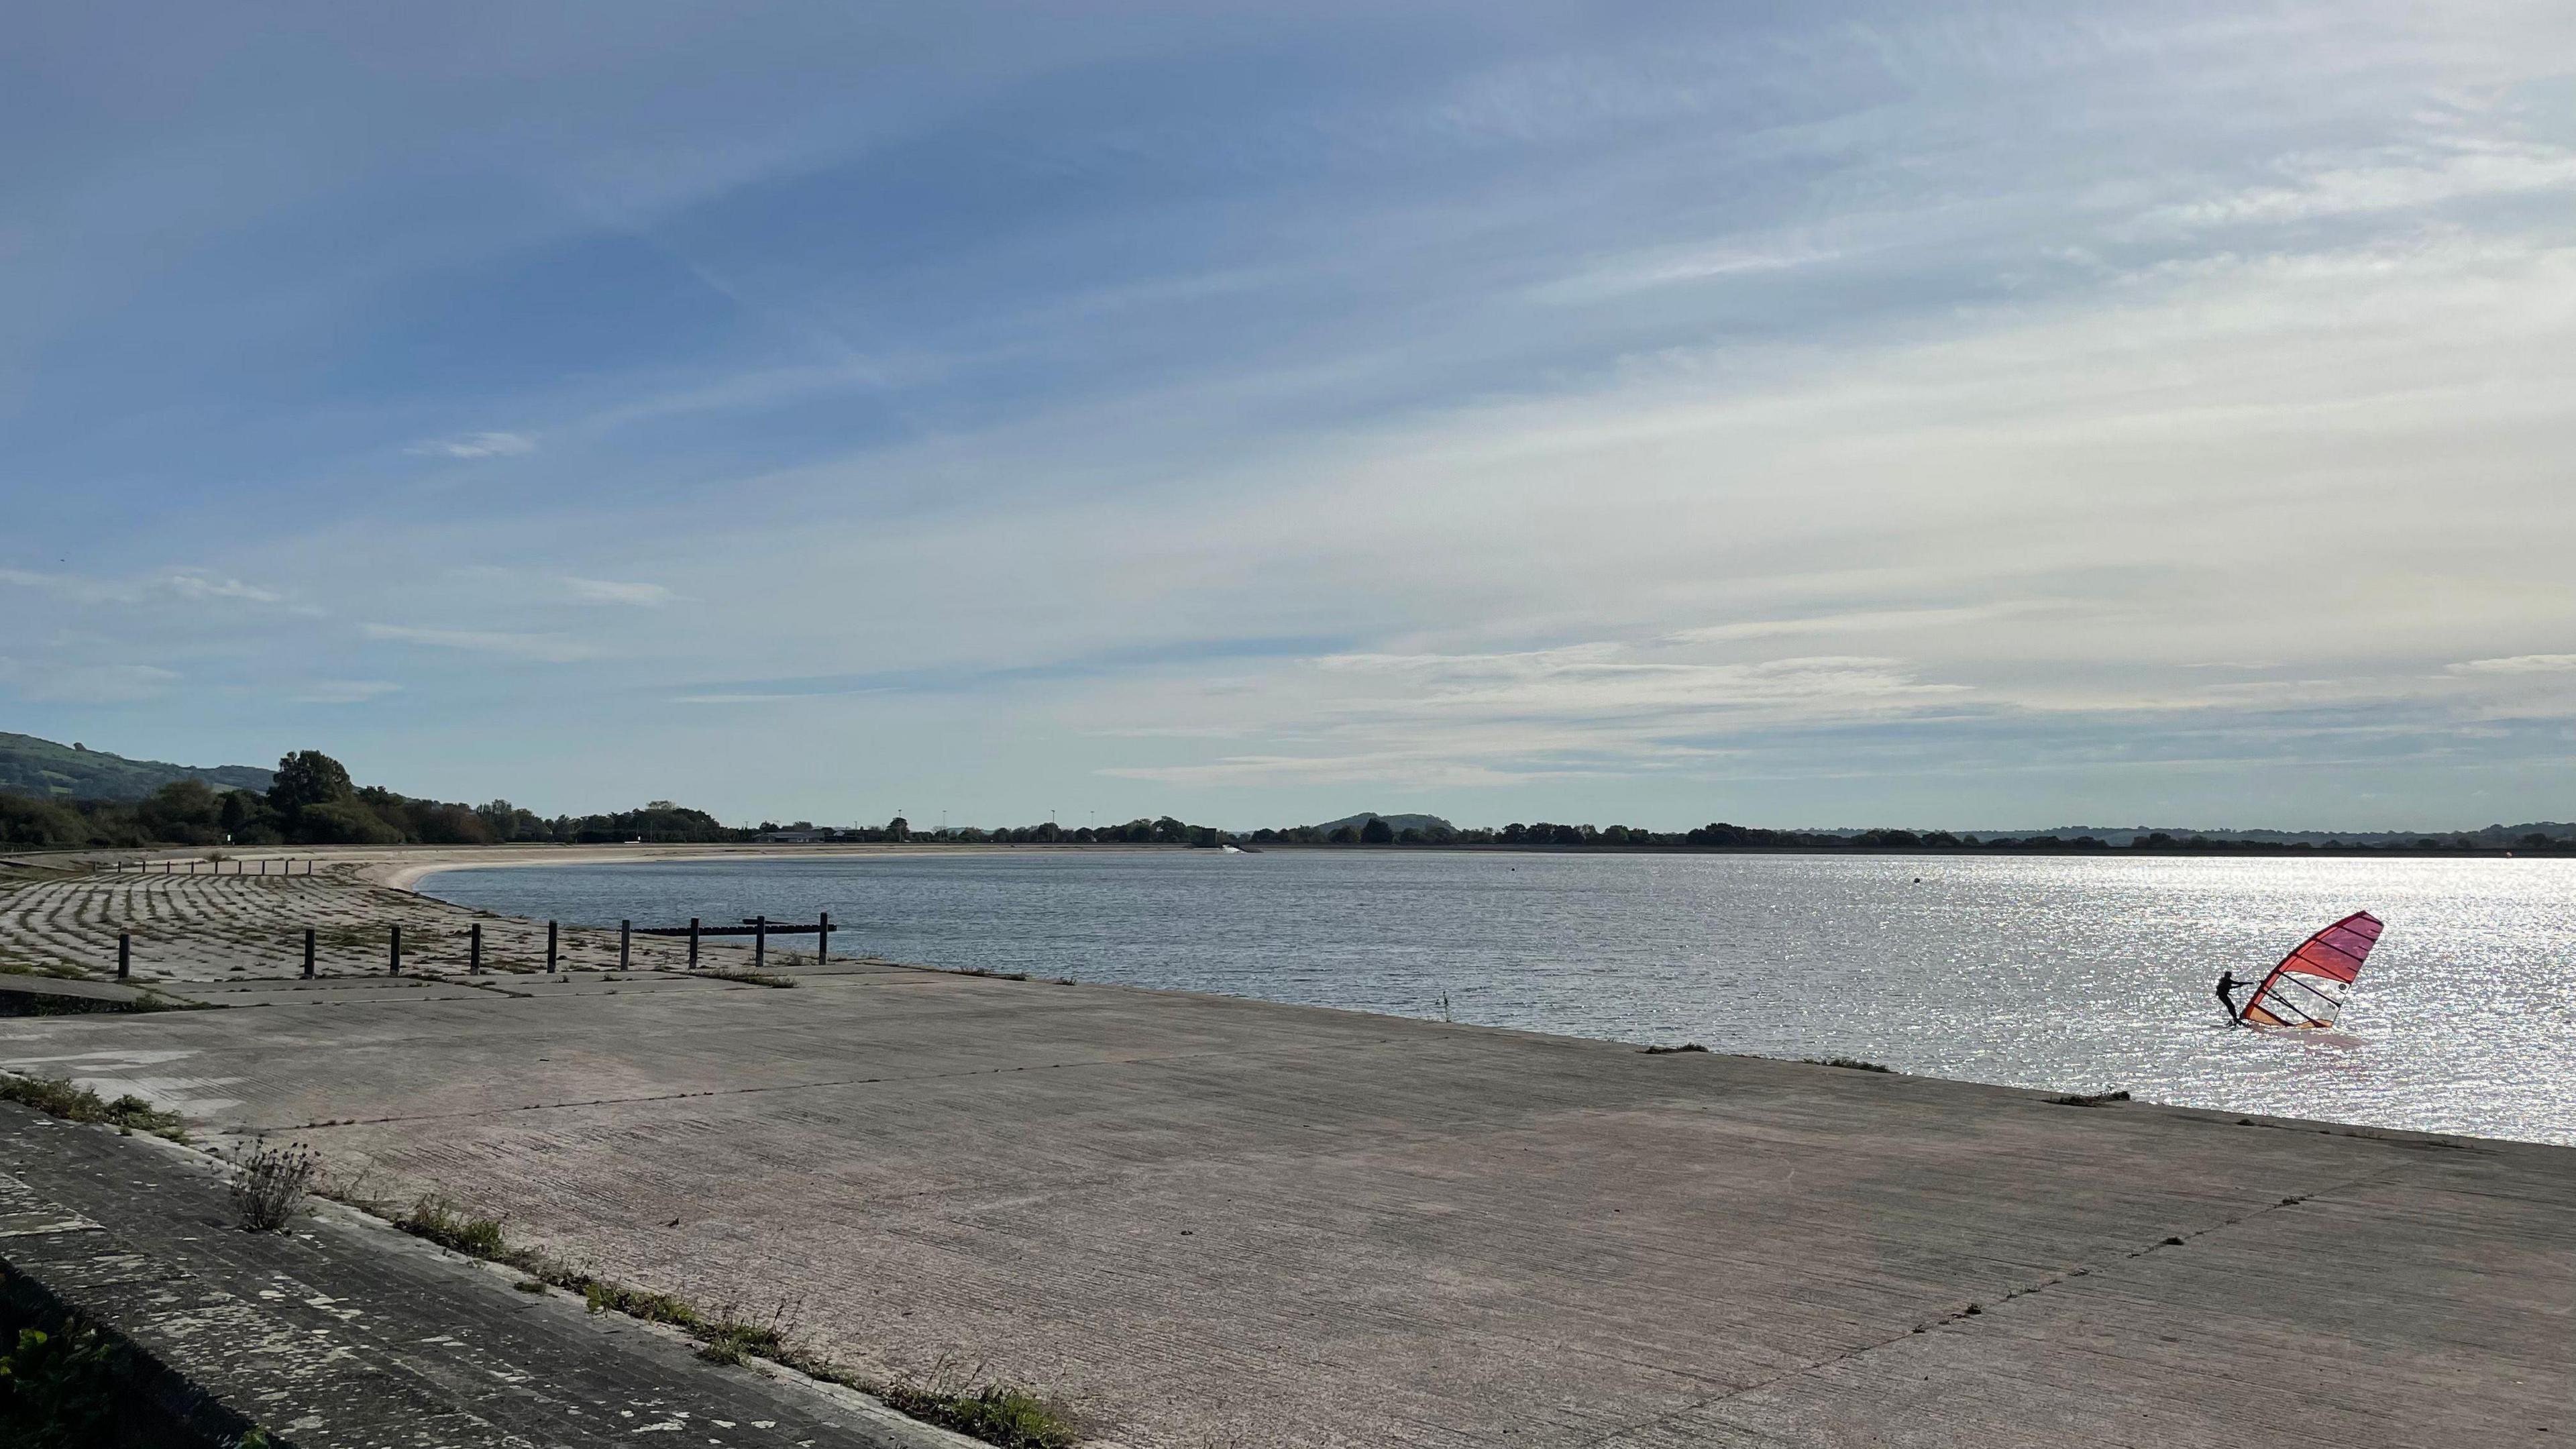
[2032, 971]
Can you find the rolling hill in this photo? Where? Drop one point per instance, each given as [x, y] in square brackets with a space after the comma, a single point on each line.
[30, 766]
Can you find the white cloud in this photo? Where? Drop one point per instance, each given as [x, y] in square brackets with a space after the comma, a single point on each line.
[542, 648]
[2389, 181]
[1868, 621]
[186, 585]
[203, 586]
[1410, 771]
[88, 683]
[470, 446]
[346, 691]
[610, 591]
[2518, 664]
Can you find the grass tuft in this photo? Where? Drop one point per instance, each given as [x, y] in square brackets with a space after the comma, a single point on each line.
[1659, 1051]
[1853, 1063]
[997, 1414]
[444, 1223]
[732, 1341]
[58, 1098]
[2088, 1099]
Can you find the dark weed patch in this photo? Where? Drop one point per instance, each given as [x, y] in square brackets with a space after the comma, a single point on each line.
[270, 1186]
[60, 1390]
[997, 1414]
[57, 1098]
[449, 1226]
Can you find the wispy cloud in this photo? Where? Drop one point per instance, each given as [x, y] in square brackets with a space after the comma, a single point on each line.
[610, 591]
[208, 586]
[2399, 179]
[1416, 772]
[472, 446]
[346, 691]
[187, 585]
[2518, 664]
[53, 683]
[540, 648]
[1867, 621]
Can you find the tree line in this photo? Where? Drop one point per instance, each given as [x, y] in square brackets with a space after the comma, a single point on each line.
[314, 802]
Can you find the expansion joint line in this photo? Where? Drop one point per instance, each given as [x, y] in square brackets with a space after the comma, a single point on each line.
[1974, 1310]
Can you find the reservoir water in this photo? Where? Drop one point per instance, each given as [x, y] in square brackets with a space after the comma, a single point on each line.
[2085, 973]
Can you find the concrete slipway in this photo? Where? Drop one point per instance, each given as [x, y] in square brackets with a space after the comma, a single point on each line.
[1216, 1222]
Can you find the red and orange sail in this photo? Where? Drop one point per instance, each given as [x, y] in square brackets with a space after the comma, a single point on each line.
[2309, 986]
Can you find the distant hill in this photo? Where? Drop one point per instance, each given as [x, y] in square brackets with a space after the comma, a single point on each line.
[2493, 835]
[1397, 823]
[30, 766]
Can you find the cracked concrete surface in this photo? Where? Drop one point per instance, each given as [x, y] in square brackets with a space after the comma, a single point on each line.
[1227, 1222]
[344, 1334]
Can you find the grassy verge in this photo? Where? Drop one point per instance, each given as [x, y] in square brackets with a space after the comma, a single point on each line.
[57, 1098]
[999, 1414]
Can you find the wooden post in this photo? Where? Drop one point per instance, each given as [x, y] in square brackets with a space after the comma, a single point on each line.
[693, 943]
[394, 960]
[625, 943]
[823, 940]
[474, 949]
[550, 946]
[308, 950]
[759, 941]
[124, 955]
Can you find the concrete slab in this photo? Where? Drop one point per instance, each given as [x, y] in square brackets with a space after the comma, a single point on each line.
[1226, 1222]
[344, 1334]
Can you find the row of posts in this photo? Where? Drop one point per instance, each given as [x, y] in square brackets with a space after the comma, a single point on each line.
[216, 867]
[474, 947]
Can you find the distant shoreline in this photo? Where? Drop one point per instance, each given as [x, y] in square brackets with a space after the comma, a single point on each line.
[404, 867]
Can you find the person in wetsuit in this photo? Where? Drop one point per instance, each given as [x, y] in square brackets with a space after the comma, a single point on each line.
[2227, 984]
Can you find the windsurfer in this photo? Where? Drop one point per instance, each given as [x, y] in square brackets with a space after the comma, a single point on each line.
[2227, 984]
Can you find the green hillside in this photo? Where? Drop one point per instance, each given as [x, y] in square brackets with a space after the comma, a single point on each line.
[30, 766]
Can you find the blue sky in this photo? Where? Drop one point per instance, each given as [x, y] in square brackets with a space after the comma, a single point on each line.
[1974, 416]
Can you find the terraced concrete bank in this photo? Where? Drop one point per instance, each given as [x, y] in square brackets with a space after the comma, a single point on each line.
[1218, 1222]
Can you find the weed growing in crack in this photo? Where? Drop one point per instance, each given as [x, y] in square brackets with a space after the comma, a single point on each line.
[270, 1186]
[58, 1098]
[1001, 1414]
[444, 1223]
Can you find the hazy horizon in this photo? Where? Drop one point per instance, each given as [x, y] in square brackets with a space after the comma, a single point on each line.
[1881, 414]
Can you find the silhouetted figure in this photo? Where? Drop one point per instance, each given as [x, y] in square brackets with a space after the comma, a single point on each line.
[2227, 984]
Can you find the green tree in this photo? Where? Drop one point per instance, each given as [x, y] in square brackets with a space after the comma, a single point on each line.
[343, 822]
[185, 811]
[306, 779]
[898, 829]
[1377, 832]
